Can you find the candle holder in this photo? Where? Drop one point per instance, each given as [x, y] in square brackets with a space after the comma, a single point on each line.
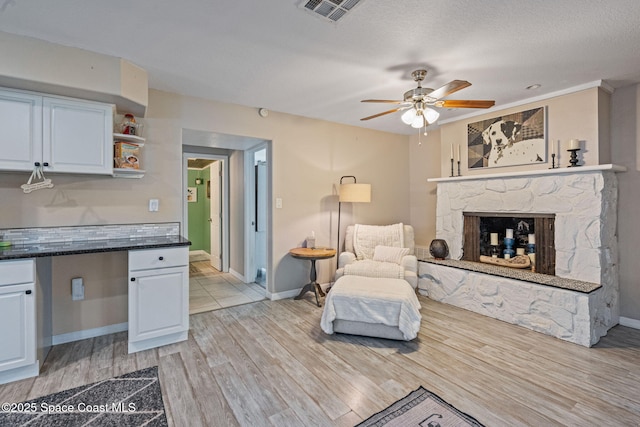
[459, 168]
[508, 251]
[531, 253]
[531, 248]
[494, 252]
[574, 157]
[553, 161]
[452, 167]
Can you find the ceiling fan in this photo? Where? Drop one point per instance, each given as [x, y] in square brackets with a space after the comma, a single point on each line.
[418, 101]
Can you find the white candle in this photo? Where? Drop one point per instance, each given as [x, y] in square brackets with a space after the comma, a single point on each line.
[451, 151]
[509, 233]
[519, 251]
[553, 147]
[532, 239]
[459, 158]
[494, 239]
[574, 144]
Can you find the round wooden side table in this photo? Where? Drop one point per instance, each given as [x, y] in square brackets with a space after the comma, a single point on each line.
[312, 254]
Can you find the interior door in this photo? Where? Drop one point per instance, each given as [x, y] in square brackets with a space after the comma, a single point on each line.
[216, 215]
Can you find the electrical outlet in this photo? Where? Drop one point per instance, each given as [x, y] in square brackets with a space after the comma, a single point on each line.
[154, 205]
[278, 203]
[77, 289]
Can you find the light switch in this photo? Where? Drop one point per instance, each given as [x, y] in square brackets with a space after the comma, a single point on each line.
[77, 289]
[154, 205]
[278, 203]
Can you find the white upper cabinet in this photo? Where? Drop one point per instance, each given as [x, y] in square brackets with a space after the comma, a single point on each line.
[77, 136]
[61, 134]
[20, 130]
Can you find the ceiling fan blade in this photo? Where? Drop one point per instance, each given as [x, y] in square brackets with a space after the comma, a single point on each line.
[387, 101]
[462, 103]
[383, 113]
[448, 89]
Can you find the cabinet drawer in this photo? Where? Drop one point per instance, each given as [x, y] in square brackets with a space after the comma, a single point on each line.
[19, 271]
[158, 258]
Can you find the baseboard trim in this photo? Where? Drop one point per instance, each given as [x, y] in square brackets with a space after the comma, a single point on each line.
[292, 293]
[283, 295]
[89, 333]
[237, 275]
[630, 323]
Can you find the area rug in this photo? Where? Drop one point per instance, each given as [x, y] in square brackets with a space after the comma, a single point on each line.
[133, 399]
[420, 408]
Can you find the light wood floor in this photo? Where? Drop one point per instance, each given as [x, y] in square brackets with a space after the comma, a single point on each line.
[269, 363]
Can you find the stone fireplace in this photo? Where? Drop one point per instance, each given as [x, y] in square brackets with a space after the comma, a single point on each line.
[582, 203]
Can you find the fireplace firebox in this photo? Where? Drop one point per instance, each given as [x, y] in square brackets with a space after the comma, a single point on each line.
[478, 227]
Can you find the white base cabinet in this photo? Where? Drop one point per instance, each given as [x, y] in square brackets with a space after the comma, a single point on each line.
[158, 297]
[17, 320]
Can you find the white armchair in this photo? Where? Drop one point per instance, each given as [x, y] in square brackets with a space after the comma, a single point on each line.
[385, 251]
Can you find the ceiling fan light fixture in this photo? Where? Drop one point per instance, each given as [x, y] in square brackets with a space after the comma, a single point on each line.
[418, 122]
[431, 115]
[408, 116]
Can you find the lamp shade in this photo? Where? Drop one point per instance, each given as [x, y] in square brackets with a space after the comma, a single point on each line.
[359, 193]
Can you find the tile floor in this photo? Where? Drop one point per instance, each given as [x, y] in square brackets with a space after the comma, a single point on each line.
[210, 289]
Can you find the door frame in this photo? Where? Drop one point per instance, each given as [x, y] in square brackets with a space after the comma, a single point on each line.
[224, 164]
[250, 268]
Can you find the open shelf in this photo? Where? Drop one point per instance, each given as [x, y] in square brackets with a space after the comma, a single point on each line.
[127, 173]
[129, 138]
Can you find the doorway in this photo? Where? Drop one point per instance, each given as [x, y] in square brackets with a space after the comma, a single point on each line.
[206, 224]
[243, 171]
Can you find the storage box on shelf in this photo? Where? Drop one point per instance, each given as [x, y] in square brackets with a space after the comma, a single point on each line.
[127, 148]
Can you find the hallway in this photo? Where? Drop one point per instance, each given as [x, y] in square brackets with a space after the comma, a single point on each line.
[210, 289]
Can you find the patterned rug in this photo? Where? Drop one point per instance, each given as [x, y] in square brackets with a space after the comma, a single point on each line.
[420, 408]
[133, 399]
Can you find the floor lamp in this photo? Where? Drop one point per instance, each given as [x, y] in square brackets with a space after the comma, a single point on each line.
[354, 193]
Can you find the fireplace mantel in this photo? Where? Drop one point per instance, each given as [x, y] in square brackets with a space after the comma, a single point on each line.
[529, 173]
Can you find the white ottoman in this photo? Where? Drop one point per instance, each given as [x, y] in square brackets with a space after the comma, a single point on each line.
[375, 307]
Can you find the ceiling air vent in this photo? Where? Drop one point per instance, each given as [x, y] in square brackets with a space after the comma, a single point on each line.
[329, 10]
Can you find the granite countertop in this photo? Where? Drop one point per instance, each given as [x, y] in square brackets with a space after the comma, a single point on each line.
[518, 274]
[90, 246]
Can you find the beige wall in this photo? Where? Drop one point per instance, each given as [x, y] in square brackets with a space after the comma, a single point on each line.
[308, 158]
[575, 115]
[236, 212]
[424, 163]
[625, 149]
[106, 287]
[77, 73]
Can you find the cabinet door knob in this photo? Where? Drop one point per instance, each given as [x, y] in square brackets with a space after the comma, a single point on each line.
[133, 279]
[27, 292]
[161, 258]
[37, 164]
[45, 164]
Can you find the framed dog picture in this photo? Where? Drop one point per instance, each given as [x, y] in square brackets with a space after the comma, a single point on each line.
[509, 140]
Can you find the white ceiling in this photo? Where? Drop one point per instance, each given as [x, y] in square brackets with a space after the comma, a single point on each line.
[273, 54]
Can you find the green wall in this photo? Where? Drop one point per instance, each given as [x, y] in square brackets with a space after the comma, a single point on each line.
[199, 212]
